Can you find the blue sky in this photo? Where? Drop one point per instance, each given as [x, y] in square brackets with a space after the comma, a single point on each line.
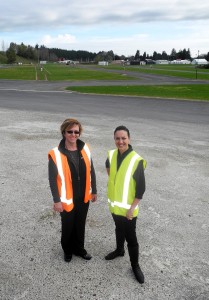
[118, 25]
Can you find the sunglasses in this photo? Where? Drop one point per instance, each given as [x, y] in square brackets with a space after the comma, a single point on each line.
[73, 131]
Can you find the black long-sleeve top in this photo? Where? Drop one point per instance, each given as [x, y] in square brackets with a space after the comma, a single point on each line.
[138, 175]
[78, 173]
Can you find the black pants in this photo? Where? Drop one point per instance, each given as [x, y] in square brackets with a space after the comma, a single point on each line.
[125, 230]
[73, 228]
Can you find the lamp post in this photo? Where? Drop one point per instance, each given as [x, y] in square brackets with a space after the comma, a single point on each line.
[38, 55]
[197, 64]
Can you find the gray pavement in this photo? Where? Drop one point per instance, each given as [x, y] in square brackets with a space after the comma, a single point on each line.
[173, 224]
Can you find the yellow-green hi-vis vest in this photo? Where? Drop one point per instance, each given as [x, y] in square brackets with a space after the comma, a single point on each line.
[121, 185]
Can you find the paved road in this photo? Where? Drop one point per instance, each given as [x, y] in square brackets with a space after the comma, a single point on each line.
[173, 225]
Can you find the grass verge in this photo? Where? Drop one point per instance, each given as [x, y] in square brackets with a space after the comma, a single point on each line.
[193, 92]
[18, 72]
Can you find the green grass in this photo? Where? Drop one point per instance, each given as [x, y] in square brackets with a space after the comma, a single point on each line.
[18, 72]
[195, 92]
[57, 72]
[65, 72]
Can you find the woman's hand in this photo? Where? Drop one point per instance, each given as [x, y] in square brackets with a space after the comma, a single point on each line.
[58, 207]
[129, 214]
[94, 197]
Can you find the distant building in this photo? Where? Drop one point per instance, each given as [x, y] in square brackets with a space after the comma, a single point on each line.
[180, 62]
[43, 62]
[161, 62]
[118, 62]
[72, 62]
[149, 61]
[64, 61]
[103, 63]
[199, 61]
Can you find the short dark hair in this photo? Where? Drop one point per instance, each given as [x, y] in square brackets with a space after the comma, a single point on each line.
[122, 127]
[69, 123]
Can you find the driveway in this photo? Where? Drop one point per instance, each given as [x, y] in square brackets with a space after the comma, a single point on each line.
[173, 223]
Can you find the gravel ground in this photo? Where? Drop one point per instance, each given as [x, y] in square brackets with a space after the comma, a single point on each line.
[172, 228]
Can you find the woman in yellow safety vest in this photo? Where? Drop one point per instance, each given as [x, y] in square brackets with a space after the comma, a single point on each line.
[126, 186]
[72, 181]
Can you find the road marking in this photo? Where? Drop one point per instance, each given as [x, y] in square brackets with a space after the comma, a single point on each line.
[19, 90]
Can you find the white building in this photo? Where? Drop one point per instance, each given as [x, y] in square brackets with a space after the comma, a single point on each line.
[199, 61]
[180, 62]
[103, 63]
[161, 62]
[65, 61]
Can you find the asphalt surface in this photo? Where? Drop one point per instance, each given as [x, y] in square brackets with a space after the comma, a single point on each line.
[173, 224]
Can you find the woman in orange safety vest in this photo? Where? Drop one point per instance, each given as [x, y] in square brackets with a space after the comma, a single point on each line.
[72, 181]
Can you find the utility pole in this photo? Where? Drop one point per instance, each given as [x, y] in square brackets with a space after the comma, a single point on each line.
[38, 55]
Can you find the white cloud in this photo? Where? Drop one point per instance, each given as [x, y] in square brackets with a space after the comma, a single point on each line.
[79, 12]
[65, 40]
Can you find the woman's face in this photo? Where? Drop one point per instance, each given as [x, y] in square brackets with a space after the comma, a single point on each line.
[72, 134]
[121, 140]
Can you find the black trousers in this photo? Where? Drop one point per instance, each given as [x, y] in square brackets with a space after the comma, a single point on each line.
[125, 230]
[73, 228]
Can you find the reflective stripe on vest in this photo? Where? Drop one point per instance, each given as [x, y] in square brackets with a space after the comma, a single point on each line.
[111, 152]
[87, 158]
[120, 206]
[63, 194]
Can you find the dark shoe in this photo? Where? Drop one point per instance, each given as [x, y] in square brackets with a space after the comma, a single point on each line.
[85, 256]
[114, 254]
[138, 273]
[67, 257]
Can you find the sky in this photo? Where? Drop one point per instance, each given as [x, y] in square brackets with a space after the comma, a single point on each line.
[97, 25]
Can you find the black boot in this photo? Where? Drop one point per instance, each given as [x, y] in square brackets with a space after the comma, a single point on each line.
[114, 254]
[134, 258]
[120, 241]
[138, 273]
[67, 257]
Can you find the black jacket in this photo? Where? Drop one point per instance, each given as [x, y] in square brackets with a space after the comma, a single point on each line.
[78, 175]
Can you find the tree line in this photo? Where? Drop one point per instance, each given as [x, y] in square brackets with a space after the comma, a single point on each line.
[42, 53]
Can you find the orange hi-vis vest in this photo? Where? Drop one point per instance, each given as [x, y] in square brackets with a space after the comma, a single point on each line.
[64, 179]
